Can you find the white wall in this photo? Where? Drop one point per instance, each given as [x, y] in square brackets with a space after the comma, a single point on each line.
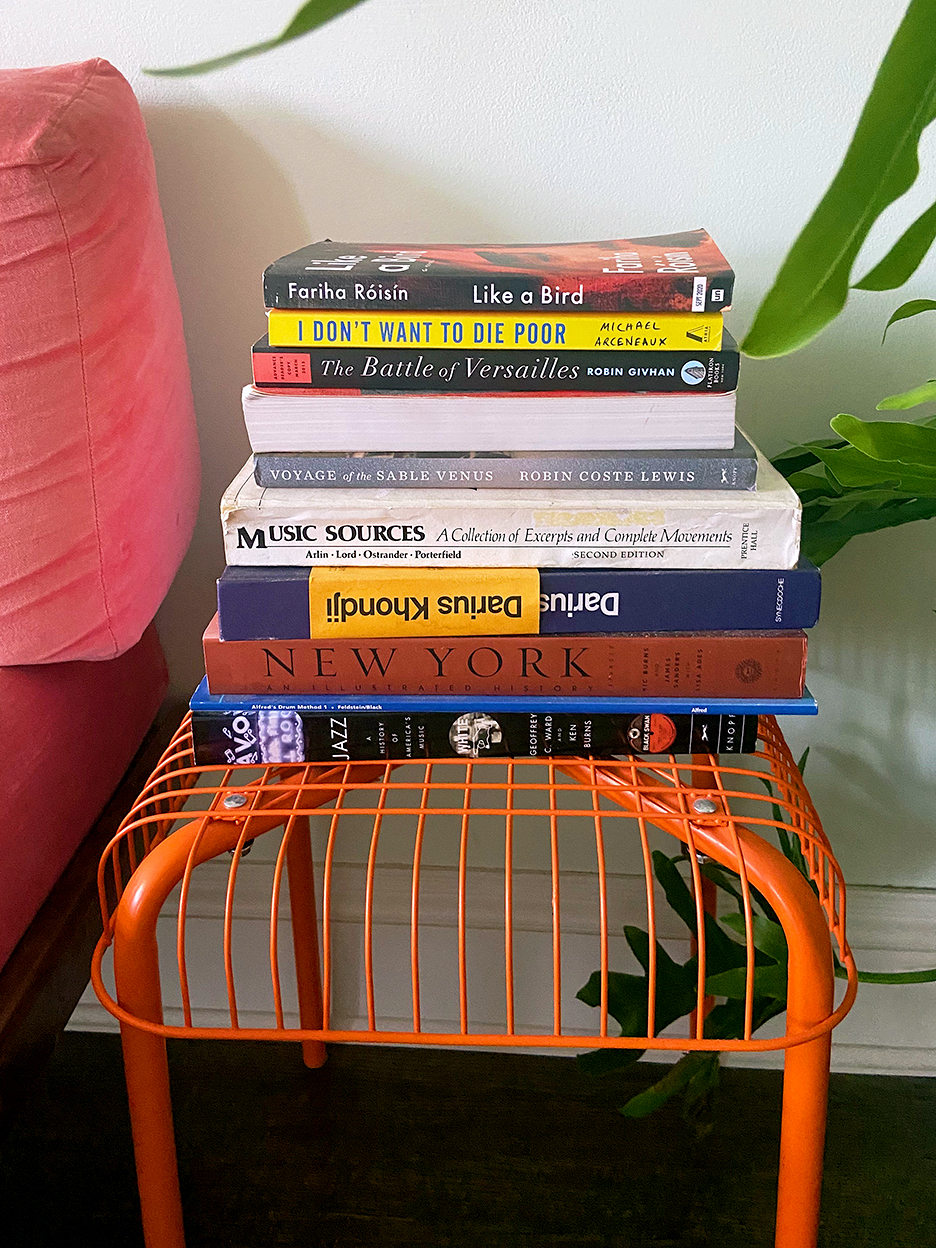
[480, 120]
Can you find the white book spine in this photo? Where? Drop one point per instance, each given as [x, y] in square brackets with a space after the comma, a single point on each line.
[502, 528]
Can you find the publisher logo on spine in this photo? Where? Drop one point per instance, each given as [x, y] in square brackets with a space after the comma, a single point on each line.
[692, 372]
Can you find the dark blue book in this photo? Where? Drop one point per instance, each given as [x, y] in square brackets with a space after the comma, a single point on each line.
[258, 603]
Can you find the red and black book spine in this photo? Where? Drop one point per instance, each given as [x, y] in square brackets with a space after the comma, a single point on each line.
[662, 273]
[695, 665]
[285, 370]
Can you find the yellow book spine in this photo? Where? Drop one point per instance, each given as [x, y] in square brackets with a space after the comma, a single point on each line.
[431, 602]
[574, 331]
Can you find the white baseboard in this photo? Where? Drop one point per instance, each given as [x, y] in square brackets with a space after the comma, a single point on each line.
[891, 1030]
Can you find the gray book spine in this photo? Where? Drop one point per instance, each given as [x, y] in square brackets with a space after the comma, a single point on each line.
[692, 470]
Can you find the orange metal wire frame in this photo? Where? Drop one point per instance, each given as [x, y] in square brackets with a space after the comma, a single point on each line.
[188, 815]
[143, 863]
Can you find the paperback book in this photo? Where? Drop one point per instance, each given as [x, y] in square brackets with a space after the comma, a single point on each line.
[525, 470]
[282, 603]
[682, 272]
[336, 420]
[256, 733]
[499, 331]
[698, 665]
[472, 369]
[514, 528]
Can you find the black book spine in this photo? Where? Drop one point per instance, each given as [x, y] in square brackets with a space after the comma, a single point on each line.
[348, 368]
[283, 735]
[453, 292]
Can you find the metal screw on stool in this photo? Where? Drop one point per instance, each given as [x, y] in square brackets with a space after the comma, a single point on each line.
[704, 806]
[232, 801]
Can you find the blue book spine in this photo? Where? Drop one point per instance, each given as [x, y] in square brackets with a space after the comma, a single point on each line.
[687, 600]
[273, 603]
[540, 703]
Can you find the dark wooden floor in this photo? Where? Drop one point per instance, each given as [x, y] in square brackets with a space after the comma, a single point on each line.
[402, 1149]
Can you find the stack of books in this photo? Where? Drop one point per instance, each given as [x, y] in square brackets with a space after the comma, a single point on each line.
[499, 505]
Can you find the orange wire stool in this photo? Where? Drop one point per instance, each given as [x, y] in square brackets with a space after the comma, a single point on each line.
[187, 815]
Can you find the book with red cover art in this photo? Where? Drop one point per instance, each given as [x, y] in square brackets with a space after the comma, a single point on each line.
[696, 665]
[659, 273]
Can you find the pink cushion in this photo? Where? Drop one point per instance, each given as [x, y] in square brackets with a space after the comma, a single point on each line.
[98, 451]
[69, 732]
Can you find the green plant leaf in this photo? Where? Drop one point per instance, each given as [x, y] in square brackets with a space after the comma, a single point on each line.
[721, 952]
[726, 1021]
[900, 440]
[768, 936]
[769, 981]
[675, 889]
[821, 540]
[725, 879]
[313, 14]
[798, 458]
[811, 487]
[601, 1062]
[890, 977]
[676, 1079]
[910, 398]
[904, 257]
[912, 308]
[853, 468]
[881, 163]
[722, 877]
[627, 996]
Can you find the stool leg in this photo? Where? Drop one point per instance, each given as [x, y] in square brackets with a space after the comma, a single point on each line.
[147, 1075]
[305, 937]
[136, 974]
[802, 1142]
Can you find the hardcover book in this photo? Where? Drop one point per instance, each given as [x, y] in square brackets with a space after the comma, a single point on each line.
[528, 421]
[525, 470]
[281, 602]
[472, 369]
[667, 272]
[566, 331]
[514, 528]
[699, 665]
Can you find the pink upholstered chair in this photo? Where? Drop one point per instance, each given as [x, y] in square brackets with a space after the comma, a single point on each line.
[98, 493]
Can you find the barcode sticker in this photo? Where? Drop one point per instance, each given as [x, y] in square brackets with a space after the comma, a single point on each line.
[698, 293]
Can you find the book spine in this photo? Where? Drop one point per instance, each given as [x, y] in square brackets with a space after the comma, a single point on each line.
[282, 735]
[678, 600]
[510, 534]
[292, 369]
[700, 666]
[684, 471]
[453, 292]
[578, 331]
[274, 603]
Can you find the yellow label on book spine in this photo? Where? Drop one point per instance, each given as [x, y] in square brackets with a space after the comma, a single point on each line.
[430, 602]
[574, 331]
